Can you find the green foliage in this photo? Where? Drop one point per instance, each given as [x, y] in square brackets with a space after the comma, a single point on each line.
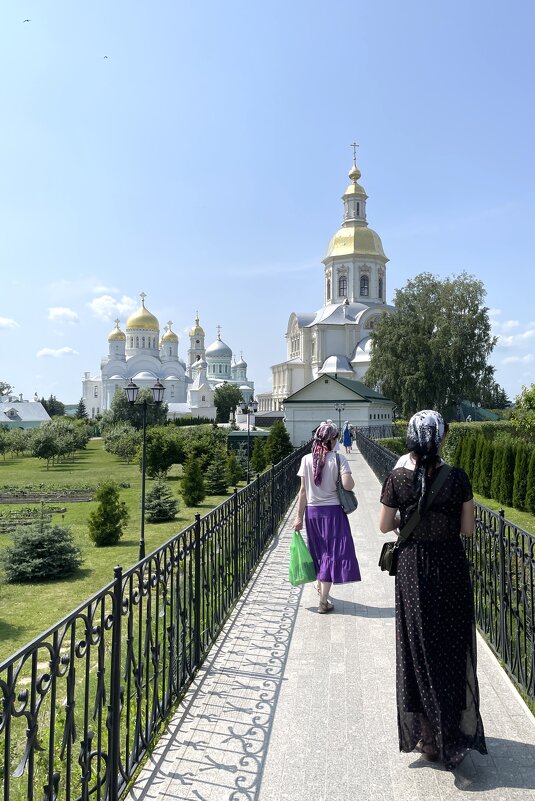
[394, 444]
[188, 420]
[5, 388]
[81, 411]
[160, 503]
[530, 488]
[233, 469]
[215, 480]
[107, 521]
[258, 457]
[123, 440]
[485, 471]
[53, 406]
[226, 398]
[18, 441]
[523, 414]
[457, 452]
[192, 484]
[468, 455]
[201, 443]
[476, 474]
[520, 483]
[496, 472]
[507, 475]
[164, 449]
[435, 347]
[41, 551]
[122, 411]
[278, 444]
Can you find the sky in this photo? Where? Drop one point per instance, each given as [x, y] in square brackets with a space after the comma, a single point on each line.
[198, 152]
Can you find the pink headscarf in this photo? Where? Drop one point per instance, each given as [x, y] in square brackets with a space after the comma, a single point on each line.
[323, 435]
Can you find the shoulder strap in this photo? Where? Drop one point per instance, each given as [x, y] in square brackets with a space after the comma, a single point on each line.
[338, 465]
[413, 521]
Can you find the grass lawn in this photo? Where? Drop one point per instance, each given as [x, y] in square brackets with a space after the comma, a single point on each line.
[26, 610]
[523, 520]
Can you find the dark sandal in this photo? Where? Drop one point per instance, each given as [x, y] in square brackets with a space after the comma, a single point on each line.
[427, 750]
[323, 608]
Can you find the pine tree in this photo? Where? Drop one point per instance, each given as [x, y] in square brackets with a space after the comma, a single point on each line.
[530, 484]
[192, 488]
[468, 455]
[278, 443]
[160, 503]
[258, 458]
[520, 482]
[486, 469]
[457, 454]
[233, 469]
[215, 479]
[81, 411]
[507, 475]
[496, 471]
[476, 473]
[41, 551]
[107, 521]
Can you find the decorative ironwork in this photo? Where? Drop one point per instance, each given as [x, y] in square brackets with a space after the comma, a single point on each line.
[502, 568]
[82, 703]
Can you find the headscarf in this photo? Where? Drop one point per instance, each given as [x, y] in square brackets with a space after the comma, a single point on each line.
[346, 424]
[425, 433]
[324, 433]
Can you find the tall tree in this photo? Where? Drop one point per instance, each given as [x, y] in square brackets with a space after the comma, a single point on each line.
[226, 398]
[121, 411]
[523, 415]
[53, 406]
[81, 411]
[278, 443]
[435, 347]
[5, 388]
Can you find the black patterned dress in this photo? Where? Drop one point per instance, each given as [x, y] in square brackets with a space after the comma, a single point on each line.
[436, 682]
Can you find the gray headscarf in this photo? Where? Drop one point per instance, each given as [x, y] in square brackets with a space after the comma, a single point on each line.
[425, 433]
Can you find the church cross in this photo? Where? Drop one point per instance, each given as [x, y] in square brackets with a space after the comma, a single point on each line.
[142, 296]
[116, 321]
[169, 324]
[354, 146]
[219, 332]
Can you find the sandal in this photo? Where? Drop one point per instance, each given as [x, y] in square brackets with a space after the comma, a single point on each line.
[427, 750]
[323, 608]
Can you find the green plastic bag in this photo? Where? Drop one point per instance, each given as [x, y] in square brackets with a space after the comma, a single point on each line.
[301, 568]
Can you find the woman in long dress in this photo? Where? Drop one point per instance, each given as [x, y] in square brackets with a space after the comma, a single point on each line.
[328, 533]
[436, 682]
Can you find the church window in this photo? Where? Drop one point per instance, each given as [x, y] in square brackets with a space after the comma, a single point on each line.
[137, 342]
[219, 368]
[197, 341]
[172, 390]
[169, 351]
[342, 286]
[328, 288]
[203, 397]
[364, 286]
[131, 342]
[154, 342]
[380, 286]
[358, 209]
[143, 342]
[148, 342]
[95, 392]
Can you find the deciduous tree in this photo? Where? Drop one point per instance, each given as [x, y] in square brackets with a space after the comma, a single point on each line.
[226, 398]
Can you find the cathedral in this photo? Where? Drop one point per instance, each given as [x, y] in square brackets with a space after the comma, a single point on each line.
[140, 354]
[335, 340]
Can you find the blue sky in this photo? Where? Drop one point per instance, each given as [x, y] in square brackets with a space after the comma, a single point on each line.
[204, 159]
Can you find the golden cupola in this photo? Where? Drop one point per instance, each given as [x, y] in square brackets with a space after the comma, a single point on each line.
[197, 330]
[169, 335]
[143, 319]
[116, 335]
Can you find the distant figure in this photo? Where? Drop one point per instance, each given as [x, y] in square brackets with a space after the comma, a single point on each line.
[436, 682]
[327, 527]
[469, 418]
[346, 436]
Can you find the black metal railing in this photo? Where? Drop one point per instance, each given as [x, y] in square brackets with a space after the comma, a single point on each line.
[502, 568]
[82, 703]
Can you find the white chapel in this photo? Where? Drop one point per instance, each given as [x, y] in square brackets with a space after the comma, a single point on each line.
[335, 340]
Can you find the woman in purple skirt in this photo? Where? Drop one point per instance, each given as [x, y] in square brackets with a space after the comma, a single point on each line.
[328, 533]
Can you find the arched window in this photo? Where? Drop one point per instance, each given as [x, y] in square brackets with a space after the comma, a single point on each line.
[364, 286]
[219, 368]
[137, 342]
[131, 342]
[154, 342]
[358, 209]
[342, 286]
[203, 397]
[381, 287]
[170, 351]
[328, 288]
[142, 342]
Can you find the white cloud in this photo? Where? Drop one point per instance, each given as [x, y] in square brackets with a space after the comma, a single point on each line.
[514, 340]
[101, 288]
[62, 314]
[107, 307]
[56, 353]
[494, 312]
[518, 359]
[6, 322]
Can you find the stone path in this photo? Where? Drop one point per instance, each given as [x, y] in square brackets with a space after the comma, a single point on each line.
[296, 706]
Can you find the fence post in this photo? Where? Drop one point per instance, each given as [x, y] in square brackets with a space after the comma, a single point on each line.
[235, 544]
[114, 708]
[501, 543]
[197, 592]
[272, 472]
[257, 510]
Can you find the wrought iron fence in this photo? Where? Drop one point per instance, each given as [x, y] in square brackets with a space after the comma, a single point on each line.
[82, 703]
[502, 568]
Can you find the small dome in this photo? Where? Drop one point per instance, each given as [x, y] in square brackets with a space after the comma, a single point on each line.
[336, 364]
[245, 388]
[116, 335]
[362, 351]
[240, 363]
[354, 173]
[142, 318]
[169, 335]
[355, 240]
[144, 375]
[219, 350]
[197, 330]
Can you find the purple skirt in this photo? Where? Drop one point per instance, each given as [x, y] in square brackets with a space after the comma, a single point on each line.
[331, 544]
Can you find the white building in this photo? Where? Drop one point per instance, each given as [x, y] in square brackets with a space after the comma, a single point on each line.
[335, 340]
[15, 412]
[141, 355]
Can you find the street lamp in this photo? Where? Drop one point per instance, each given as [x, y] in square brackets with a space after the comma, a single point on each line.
[248, 408]
[339, 408]
[131, 391]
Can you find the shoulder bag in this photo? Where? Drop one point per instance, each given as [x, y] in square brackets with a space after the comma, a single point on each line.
[348, 499]
[388, 558]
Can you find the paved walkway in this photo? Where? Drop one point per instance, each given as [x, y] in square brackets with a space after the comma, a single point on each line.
[296, 706]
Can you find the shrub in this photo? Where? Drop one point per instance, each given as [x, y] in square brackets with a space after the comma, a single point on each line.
[496, 472]
[41, 551]
[507, 475]
[485, 473]
[520, 481]
[468, 455]
[530, 485]
[476, 473]
[107, 521]
[233, 469]
[278, 444]
[258, 457]
[394, 444]
[215, 480]
[160, 503]
[192, 488]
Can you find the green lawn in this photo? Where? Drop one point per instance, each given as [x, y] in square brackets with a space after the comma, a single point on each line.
[523, 520]
[26, 610]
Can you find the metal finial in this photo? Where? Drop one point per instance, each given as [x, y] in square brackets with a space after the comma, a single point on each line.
[142, 296]
[354, 146]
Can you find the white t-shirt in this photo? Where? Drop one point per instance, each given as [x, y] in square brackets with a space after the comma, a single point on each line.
[325, 494]
[406, 461]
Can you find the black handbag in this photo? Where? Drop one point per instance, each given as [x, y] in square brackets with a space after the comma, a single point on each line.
[388, 558]
[348, 499]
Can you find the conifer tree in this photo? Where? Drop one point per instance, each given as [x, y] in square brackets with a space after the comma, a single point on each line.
[192, 488]
[520, 482]
[258, 458]
[160, 504]
[278, 443]
[81, 411]
[468, 454]
[215, 480]
[530, 484]
[457, 454]
[485, 474]
[233, 469]
[507, 475]
[476, 472]
[496, 471]
[41, 551]
[107, 521]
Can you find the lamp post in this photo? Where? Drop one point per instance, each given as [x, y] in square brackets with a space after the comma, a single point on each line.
[339, 408]
[132, 391]
[248, 408]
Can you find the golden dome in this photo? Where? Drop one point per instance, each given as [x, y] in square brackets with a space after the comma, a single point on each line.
[354, 173]
[356, 240]
[169, 335]
[142, 318]
[116, 335]
[197, 330]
